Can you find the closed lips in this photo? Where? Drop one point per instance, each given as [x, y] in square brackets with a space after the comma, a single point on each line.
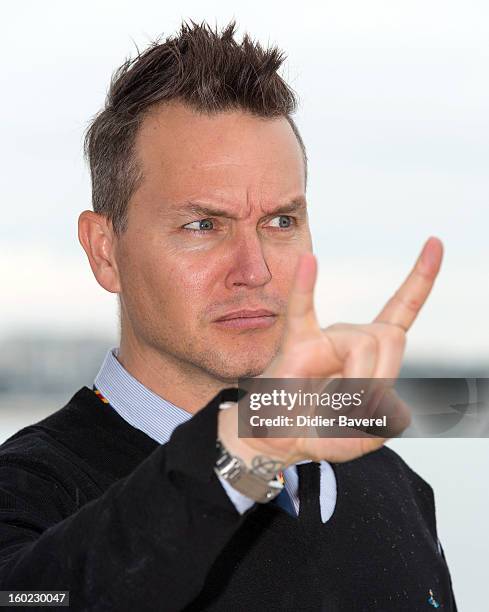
[246, 314]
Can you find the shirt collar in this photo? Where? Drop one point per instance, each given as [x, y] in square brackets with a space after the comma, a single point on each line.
[135, 403]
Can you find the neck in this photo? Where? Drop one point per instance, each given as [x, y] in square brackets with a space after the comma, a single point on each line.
[169, 377]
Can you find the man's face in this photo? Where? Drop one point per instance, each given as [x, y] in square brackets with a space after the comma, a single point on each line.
[216, 227]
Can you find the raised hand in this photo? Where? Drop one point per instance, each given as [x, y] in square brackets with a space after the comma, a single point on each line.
[373, 350]
[352, 351]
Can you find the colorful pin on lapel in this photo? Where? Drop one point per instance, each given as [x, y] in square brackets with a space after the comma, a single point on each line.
[432, 601]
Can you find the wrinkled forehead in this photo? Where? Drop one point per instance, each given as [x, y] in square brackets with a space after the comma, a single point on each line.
[227, 157]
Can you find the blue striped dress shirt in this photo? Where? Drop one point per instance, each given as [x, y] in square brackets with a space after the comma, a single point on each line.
[157, 418]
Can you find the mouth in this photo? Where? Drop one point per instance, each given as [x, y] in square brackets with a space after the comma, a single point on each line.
[247, 319]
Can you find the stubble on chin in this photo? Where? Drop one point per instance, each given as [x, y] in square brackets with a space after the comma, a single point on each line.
[230, 365]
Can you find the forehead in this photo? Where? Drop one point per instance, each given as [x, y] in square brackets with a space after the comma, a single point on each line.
[186, 154]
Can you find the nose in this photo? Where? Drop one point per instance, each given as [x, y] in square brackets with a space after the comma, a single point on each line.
[248, 265]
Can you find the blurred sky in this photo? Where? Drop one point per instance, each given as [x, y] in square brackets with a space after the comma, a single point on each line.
[393, 108]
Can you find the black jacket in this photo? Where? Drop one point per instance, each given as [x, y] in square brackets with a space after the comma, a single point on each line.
[92, 505]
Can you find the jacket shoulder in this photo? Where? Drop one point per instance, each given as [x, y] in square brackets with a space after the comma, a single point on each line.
[44, 455]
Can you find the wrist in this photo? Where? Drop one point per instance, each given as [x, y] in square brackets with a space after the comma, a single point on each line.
[249, 449]
[259, 478]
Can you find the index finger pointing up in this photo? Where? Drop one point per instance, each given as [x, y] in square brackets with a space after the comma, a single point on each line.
[404, 306]
[301, 315]
[301, 298]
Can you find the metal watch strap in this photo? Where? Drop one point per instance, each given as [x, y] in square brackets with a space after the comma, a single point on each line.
[234, 470]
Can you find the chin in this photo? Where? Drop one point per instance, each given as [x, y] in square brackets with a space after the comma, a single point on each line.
[242, 369]
[230, 361]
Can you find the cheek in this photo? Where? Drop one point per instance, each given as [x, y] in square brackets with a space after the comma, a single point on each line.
[147, 281]
[185, 286]
[156, 278]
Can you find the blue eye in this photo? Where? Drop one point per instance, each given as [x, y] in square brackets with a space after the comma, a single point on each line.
[201, 225]
[284, 221]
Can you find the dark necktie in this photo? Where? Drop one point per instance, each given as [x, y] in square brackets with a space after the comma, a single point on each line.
[309, 492]
[284, 501]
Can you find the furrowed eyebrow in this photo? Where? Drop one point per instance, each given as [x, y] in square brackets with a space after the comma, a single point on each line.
[294, 206]
[204, 210]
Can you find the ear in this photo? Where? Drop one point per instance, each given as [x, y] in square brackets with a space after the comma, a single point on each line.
[96, 236]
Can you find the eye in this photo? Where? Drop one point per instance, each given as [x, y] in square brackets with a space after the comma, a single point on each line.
[202, 225]
[282, 221]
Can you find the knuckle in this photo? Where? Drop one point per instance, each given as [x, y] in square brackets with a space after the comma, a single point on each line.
[366, 343]
[337, 327]
[411, 303]
[391, 334]
[398, 336]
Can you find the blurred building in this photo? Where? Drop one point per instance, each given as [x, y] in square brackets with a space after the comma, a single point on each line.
[49, 365]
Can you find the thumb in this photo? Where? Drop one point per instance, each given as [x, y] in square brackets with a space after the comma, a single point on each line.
[301, 316]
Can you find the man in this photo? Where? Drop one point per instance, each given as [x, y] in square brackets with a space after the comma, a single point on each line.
[123, 497]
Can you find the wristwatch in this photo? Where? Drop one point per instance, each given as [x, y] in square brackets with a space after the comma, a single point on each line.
[260, 487]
